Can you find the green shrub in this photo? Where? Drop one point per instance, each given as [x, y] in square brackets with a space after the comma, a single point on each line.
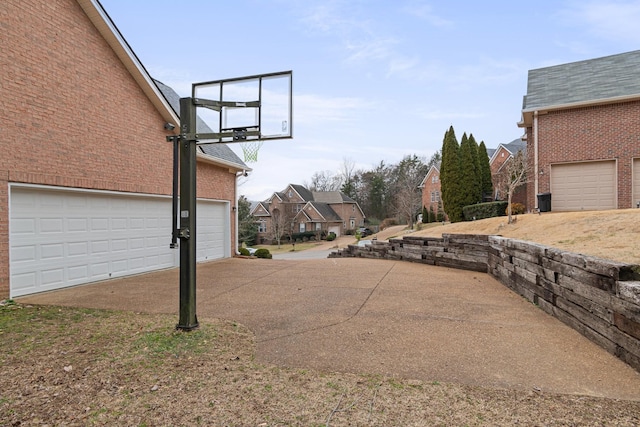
[516, 209]
[244, 251]
[309, 235]
[331, 237]
[263, 253]
[484, 210]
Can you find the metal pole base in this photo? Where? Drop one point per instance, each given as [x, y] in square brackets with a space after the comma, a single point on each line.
[188, 328]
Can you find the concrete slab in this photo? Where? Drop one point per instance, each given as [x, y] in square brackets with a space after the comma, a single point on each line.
[380, 317]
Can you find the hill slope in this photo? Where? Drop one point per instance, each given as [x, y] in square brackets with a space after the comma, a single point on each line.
[613, 234]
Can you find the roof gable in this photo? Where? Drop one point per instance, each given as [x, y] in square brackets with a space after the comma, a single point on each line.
[511, 149]
[301, 191]
[260, 209]
[432, 170]
[607, 78]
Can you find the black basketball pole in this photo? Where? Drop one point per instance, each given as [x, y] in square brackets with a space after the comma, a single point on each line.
[188, 319]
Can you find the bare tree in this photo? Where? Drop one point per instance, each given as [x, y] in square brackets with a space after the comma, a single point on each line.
[281, 223]
[515, 172]
[347, 175]
[408, 196]
[324, 181]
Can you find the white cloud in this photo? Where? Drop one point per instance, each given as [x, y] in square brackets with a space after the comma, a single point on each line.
[316, 109]
[611, 20]
[425, 12]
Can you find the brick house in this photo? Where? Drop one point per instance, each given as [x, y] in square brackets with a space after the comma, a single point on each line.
[301, 210]
[499, 159]
[582, 123]
[430, 185]
[86, 172]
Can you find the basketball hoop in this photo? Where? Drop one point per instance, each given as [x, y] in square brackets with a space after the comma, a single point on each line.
[250, 150]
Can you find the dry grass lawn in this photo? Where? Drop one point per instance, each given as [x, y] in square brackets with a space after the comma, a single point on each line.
[613, 235]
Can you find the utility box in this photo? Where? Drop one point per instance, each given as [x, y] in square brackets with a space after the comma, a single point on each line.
[544, 202]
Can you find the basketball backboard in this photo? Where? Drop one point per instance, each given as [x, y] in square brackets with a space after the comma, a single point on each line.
[252, 108]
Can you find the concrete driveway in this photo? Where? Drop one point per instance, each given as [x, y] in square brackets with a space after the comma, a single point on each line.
[380, 317]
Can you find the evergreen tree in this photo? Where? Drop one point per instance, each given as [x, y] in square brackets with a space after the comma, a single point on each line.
[247, 226]
[425, 215]
[485, 171]
[476, 164]
[467, 179]
[450, 177]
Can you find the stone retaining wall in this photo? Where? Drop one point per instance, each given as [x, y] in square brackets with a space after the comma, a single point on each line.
[598, 298]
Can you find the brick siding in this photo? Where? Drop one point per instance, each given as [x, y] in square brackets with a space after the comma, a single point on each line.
[606, 132]
[73, 115]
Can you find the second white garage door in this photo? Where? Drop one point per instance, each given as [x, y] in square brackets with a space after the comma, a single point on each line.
[583, 186]
[61, 237]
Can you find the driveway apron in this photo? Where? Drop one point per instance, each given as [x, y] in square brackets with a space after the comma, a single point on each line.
[390, 318]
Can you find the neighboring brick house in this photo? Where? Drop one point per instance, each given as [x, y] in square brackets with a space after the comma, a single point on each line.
[301, 210]
[86, 172]
[430, 185]
[499, 159]
[582, 123]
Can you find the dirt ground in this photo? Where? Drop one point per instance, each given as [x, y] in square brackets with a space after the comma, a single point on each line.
[81, 367]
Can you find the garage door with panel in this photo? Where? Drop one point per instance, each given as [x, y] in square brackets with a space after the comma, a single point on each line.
[61, 238]
[213, 230]
[583, 186]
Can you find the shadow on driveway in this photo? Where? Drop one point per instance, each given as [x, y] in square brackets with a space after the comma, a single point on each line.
[380, 317]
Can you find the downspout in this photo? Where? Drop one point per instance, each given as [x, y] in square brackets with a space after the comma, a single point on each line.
[535, 158]
[237, 243]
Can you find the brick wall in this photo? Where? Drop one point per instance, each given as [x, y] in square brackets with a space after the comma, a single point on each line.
[73, 115]
[594, 133]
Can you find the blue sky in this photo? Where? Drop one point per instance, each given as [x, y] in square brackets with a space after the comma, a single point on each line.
[373, 80]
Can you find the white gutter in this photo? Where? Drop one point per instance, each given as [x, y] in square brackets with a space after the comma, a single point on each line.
[535, 157]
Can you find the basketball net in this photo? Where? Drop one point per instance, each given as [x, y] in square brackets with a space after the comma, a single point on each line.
[250, 150]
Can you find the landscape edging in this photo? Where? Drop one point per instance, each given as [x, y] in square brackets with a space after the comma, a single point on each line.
[596, 297]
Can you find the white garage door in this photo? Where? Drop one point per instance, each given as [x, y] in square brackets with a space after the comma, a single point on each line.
[61, 238]
[213, 229]
[583, 186]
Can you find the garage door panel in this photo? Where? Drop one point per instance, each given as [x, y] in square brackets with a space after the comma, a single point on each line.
[61, 238]
[583, 186]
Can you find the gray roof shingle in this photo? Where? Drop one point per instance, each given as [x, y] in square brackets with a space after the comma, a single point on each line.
[219, 151]
[591, 80]
[326, 211]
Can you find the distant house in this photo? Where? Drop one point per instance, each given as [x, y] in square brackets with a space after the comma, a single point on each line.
[299, 210]
[582, 124]
[498, 161]
[430, 185]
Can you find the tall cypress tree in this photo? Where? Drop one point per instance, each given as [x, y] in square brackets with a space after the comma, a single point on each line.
[477, 187]
[450, 176]
[485, 171]
[468, 180]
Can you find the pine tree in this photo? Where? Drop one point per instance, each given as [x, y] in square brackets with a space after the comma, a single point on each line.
[468, 180]
[477, 188]
[485, 171]
[450, 176]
